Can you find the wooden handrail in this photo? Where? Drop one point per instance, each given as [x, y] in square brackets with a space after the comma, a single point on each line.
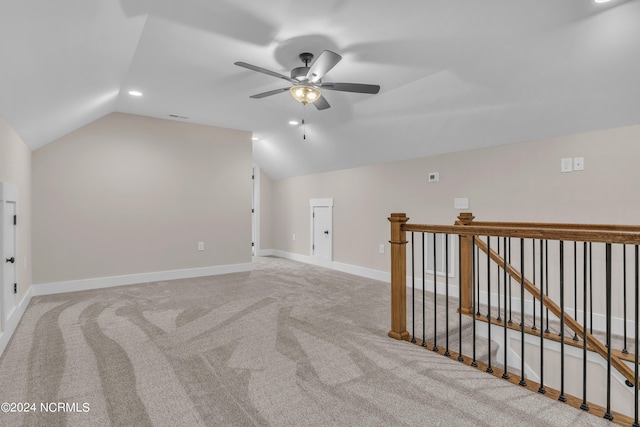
[567, 226]
[570, 235]
[467, 229]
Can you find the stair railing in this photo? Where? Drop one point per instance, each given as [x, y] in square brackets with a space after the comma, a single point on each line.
[490, 277]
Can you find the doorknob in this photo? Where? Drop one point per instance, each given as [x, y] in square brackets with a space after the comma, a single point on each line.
[326, 231]
[11, 260]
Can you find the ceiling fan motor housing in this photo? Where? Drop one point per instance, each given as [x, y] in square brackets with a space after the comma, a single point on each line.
[299, 73]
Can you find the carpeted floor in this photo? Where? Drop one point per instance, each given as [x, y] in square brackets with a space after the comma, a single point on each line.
[288, 344]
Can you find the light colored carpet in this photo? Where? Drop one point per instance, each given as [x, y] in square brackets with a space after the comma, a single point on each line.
[288, 344]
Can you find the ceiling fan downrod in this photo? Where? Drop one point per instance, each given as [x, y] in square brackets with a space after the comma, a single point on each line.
[306, 57]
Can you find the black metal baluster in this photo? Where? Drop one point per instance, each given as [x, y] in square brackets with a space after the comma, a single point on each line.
[435, 296]
[446, 291]
[510, 302]
[607, 415]
[413, 292]
[624, 296]
[562, 397]
[460, 357]
[489, 368]
[505, 374]
[575, 286]
[637, 321]
[424, 286]
[477, 272]
[499, 319]
[590, 290]
[473, 299]
[541, 389]
[584, 404]
[533, 266]
[523, 381]
[546, 275]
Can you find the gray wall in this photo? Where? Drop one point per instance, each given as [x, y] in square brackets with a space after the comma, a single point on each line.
[130, 194]
[515, 182]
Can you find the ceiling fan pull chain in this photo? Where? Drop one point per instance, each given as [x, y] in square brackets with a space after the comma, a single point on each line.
[304, 123]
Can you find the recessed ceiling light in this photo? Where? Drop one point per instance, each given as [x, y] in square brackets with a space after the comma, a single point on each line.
[602, 1]
[293, 122]
[135, 93]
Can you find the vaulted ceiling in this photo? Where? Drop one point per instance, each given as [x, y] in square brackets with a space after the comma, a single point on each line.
[454, 74]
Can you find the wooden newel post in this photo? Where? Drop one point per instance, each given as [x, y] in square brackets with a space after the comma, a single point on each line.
[398, 277]
[466, 266]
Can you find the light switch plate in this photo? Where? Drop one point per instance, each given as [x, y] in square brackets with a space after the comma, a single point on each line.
[461, 203]
[566, 165]
[578, 163]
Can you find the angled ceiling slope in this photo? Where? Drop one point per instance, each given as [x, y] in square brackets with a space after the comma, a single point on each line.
[454, 75]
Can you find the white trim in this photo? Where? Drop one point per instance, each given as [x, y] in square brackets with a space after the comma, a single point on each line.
[132, 279]
[531, 371]
[324, 203]
[599, 320]
[321, 202]
[107, 282]
[369, 273]
[256, 209]
[14, 319]
[8, 194]
[266, 252]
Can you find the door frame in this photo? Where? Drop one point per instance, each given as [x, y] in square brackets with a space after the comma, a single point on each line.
[255, 214]
[8, 194]
[321, 203]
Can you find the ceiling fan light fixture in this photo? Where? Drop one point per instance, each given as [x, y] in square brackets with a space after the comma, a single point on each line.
[305, 94]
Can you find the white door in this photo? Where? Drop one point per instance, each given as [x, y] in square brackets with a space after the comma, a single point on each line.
[322, 232]
[10, 261]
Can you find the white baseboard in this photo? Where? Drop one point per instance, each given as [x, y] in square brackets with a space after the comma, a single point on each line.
[13, 320]
[599, 320]
[107, 282]
[266, 252]
[369, 273]
[131, 279]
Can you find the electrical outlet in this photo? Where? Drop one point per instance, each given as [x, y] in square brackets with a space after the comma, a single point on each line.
[201, 246]
[434, 177]
[566, 165]
[381, 249]
[578, 163]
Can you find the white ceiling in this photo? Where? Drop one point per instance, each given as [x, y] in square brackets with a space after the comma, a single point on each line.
[455, 74]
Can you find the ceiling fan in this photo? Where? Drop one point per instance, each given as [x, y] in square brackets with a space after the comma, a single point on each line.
[307, 80]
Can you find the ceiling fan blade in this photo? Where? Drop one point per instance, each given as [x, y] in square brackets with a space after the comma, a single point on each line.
[321, 103]
[352, 87]
[269, 93]
[265, 71]
[325, 62]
